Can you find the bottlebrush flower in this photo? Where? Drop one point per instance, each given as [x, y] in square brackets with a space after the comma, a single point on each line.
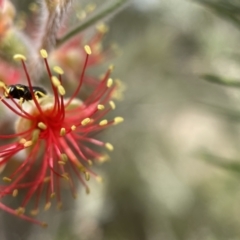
[57, 135]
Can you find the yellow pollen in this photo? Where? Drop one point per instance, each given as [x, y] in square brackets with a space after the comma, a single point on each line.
[6, 179]
[61, 90]
[112, 104]
[61, 162]
[28, 144]
[88, 49]
[15, 193]
[64, 157]
[34, 212]
[87, 176]
[85, 121]
[73, 127]
[99, 179]
[100, 107]
[47, 206]
[53, 195]
[102, 28]
[42, 126]
[55, 81]
[43, 53]
[58, 70]
[20, 211]
[63, 131]
[109, 146]
[19, 57]
[118, 120]
[109, 82]
[103, 122]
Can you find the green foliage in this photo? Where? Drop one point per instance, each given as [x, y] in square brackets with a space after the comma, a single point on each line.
[225, 163]
[222, 81]
[228, 9]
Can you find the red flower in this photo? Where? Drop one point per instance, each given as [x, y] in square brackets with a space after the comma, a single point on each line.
[57, 135]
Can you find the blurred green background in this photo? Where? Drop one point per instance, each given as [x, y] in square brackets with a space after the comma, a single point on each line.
[158, 185]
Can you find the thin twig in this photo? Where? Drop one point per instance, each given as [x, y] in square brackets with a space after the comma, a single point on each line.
[105, 12]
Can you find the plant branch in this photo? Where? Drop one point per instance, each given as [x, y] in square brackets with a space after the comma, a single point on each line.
[105, 12]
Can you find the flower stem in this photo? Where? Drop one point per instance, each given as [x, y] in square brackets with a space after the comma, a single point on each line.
[100, 15]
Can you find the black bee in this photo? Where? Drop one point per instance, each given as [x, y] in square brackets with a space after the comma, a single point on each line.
[23, 93]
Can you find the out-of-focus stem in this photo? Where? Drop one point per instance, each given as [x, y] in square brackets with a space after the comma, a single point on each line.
[105, 12]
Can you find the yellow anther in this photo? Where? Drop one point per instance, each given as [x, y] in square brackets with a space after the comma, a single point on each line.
[90, 163]
[99, 179]
[46, 179]
[34, 212]
[74, 195]
[87, 190]
[102, 28]
[53, 195]
[19, 57]
[82, 168]
[28, 144]
[111, 68]
[61, 90]
[73, 127]
[103, 122]
[65, 176]
[87, 176]
[118, 120]
[100, 107]
[42, 126]
[55, 81]
[59, 205]
[88, 49]
[85, 121]
[61, 162]
[35, 135]
[109, 82]
[109, 146]
[22, 140]
[64, 157]
[103, 158]
[6, 179]
[112, 104]
[44, 224]
[33, 7]
[43, 53]
[81, 15]
[47, 206]
[63, 131]
[58, 70]
[20, 211]
[15, 193]
[90, 7]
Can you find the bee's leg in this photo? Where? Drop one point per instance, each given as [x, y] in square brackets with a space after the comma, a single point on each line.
[21, 101]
